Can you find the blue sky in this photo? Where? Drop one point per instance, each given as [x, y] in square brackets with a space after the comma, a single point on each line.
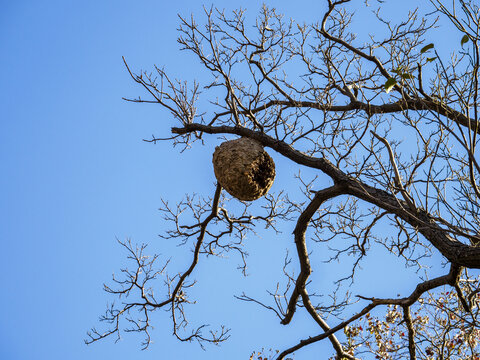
[76, 175]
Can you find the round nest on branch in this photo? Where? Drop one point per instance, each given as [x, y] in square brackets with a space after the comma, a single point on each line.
[243, 168]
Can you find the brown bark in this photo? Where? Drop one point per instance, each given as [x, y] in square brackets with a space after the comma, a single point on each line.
[453, 250]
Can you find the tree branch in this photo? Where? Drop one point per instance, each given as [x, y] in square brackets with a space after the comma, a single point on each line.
[455, 251]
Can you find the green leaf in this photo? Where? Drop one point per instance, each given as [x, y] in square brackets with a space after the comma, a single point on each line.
[464, 40]
[426, 48]
[431, 59]
[398, 70]
[407, 76]
[390, 83]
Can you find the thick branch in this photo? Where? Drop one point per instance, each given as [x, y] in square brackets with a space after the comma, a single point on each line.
[411, 332]
[414, 104]
[450, 279]
[455, 251]
[341, 354]
[299, 232]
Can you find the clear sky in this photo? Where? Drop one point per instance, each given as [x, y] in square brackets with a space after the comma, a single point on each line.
[76, 175]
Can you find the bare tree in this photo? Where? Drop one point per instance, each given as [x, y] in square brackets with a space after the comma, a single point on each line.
[392, 122]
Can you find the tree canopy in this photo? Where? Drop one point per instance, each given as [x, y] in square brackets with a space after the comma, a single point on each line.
[390, 120]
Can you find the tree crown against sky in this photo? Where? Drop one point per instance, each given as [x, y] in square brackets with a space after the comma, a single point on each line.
[389, 120]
